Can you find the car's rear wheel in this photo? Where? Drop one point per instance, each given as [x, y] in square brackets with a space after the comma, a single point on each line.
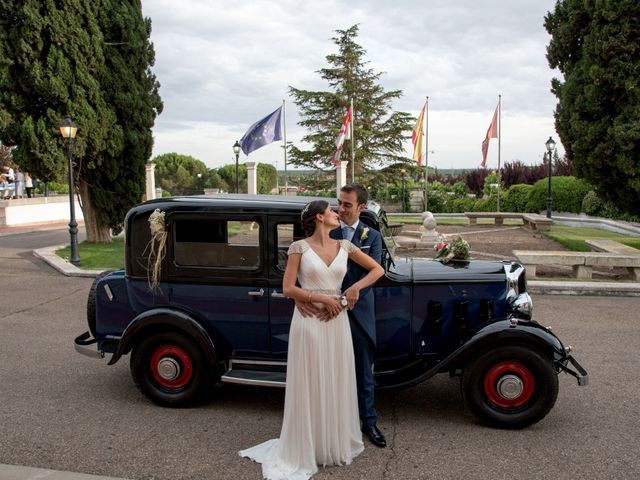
[510, 387]
[170, 370]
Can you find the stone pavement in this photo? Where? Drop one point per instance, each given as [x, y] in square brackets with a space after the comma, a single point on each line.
[16, 472]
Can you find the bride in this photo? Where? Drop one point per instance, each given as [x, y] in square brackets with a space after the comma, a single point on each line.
[321, 423]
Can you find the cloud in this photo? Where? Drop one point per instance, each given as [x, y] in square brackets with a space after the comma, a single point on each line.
[224, 64]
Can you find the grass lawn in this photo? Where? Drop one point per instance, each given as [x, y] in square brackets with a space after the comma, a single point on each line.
[574, 237]
[98, 256]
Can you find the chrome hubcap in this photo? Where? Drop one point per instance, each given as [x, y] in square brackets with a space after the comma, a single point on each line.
[510, 387]
[168, 368]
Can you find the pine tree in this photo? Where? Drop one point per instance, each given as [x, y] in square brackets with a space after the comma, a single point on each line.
[596, 46]
[88, 60]
[379, 133]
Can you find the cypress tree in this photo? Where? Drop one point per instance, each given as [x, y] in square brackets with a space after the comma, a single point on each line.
[596, 46]
[88, 60]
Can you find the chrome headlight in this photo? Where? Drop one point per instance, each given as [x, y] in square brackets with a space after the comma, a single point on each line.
[522, 305]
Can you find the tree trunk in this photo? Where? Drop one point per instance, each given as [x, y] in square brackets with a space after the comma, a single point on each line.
[96, 232]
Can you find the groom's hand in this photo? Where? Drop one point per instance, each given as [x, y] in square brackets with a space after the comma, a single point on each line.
[307, 309]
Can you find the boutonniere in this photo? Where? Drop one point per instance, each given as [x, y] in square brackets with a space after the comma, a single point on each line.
[364, 234]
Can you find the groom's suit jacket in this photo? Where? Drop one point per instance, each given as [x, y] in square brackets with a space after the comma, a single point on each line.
[364, 310]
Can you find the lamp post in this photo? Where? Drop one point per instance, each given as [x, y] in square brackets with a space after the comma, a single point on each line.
[551, 145]
[403, 171]
[236, 150]
[68, 130]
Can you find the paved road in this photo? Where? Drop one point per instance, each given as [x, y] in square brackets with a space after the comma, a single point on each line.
[63, 411]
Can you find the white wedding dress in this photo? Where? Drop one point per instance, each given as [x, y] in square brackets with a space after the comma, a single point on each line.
[321, 424]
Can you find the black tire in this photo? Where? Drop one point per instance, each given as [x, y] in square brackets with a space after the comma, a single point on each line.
[170, 353]
[91, 303]
[510, 387]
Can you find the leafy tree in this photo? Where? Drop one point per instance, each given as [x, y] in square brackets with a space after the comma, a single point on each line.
[227, 175]
[596, 46]
[88, 60]
[474, 180]
[267, 177]
[379, 134]
[178, 174]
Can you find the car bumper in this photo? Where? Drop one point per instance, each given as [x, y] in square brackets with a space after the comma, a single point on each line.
[82, 345]
[571, 366]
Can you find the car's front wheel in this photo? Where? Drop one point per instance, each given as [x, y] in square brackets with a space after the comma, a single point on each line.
[510, 387]
[170, 370]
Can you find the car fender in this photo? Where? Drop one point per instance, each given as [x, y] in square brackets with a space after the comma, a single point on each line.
[512, 331]
[162, 319]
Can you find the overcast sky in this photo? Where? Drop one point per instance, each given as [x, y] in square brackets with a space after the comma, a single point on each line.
[223, 65]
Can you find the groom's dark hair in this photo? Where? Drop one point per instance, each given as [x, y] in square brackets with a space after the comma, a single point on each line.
[361, 192]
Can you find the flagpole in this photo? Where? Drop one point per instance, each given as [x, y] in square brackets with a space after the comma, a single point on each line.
[353, 161]
[499, 134]
[284, 144]
[426, 155]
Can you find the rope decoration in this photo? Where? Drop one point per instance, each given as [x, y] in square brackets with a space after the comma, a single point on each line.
[156, 247]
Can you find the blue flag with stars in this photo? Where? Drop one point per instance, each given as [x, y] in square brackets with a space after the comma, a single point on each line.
[264, 131]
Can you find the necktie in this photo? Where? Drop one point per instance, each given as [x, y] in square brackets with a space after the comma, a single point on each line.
[347, 232]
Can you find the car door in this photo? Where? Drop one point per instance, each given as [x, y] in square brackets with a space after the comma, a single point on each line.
[218, 272]
[282, 231]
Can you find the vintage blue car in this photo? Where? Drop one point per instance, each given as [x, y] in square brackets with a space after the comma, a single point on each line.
[218, 314]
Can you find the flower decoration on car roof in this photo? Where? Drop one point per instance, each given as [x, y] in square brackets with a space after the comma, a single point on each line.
[458, 249]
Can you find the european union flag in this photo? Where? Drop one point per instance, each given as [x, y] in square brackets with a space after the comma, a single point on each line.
[262, 132]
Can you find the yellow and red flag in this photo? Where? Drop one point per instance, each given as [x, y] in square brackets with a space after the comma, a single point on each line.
[417, 136]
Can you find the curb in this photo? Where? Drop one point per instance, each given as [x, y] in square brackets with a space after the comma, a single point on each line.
[610, 289]
[17, 472]
[49, 256]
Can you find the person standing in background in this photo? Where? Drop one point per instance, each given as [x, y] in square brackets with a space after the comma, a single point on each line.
[19, 182]
[28, 184]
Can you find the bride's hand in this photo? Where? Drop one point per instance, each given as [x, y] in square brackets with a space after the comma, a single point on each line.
[332, 306]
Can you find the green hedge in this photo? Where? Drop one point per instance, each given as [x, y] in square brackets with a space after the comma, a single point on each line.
[567, 194]
[515, 198]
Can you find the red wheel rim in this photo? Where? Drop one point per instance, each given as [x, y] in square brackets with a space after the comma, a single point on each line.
[515, 372]
[171, 367]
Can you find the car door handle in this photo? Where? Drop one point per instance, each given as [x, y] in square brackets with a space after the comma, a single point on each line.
[259, 293]
[276, 294]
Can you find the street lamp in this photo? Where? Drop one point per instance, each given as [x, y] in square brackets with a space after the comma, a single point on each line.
[236, 150]
[403, 171]
[68, 130]
[551, 145]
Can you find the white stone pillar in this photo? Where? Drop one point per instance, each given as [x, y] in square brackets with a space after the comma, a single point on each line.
[150, 190]
[252, 178]
[341, 175]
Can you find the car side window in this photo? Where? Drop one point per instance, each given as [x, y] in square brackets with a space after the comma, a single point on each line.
[214, 242]
[286, 233]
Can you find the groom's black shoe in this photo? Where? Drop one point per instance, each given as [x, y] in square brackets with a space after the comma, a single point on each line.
[375, 435]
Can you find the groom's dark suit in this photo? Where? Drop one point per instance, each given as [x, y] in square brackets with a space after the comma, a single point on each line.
[362, 320]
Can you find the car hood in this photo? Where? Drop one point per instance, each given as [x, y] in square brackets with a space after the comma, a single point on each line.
[422, 270]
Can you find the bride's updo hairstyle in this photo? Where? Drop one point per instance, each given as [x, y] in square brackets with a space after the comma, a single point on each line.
[308, 215]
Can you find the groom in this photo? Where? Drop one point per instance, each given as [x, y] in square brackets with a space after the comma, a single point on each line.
[351, 202]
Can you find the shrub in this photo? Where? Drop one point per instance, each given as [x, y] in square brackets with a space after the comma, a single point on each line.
[460, 190]
[516, 197]
[437, 200]
[461, 205]
[566, 192]
[486, 204]
[591, 204]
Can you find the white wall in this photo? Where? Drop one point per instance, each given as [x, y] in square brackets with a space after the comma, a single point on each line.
[38, 210]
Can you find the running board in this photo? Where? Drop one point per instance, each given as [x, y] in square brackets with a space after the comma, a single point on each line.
[250, 372]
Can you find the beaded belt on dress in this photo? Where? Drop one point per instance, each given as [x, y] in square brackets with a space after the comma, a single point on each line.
[326, 292]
